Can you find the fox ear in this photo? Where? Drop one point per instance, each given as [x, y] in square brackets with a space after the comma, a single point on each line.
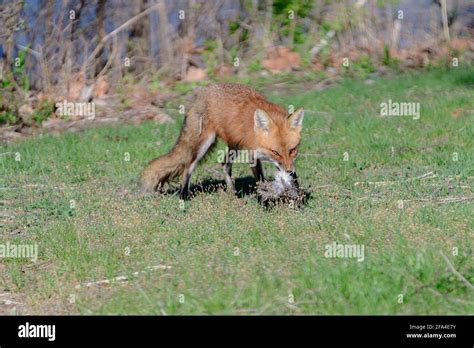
[296, 118]
[262, 120]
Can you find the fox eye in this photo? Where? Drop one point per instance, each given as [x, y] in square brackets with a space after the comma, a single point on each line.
[293, 151]
[275, 153]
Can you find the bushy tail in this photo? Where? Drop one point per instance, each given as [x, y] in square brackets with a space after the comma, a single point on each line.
[174, 163]
[160, 170]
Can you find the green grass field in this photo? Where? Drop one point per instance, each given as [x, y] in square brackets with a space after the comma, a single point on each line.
[403, 190]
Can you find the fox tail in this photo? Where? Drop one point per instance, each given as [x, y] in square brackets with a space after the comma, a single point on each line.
[175, 162]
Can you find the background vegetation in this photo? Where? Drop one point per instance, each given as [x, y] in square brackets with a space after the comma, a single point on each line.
[400, 187]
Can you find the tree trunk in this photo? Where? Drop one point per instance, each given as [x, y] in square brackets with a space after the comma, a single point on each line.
[444, 15]
[267, 35]
[100, 61]
[166, 55]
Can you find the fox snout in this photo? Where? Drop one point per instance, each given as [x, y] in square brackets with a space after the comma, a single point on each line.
[289, 166]
[288, 169]
[285, 165]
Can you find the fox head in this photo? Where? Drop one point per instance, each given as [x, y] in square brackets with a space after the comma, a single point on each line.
[278, 138]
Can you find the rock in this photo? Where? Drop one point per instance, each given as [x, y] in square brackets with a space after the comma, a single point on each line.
[460, 45]
[25, 110]
[26, 113]
[76, 85]
[195, 74]
[101, 87]
[223, 70]
[281, 59]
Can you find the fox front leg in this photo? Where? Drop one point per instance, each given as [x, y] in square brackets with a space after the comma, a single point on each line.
[257, 170]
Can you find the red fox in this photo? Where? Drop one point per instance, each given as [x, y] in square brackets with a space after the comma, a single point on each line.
[242, 118]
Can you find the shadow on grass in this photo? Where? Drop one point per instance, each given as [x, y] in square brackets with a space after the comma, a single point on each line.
[245, 186]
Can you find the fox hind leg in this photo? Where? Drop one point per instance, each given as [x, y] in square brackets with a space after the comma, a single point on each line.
[203, 147]
[227, 165]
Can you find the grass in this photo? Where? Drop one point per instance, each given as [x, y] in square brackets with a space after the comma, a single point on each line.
[76, 197]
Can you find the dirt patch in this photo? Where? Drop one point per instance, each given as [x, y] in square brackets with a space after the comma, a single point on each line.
[106, 116]
[11, 303]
